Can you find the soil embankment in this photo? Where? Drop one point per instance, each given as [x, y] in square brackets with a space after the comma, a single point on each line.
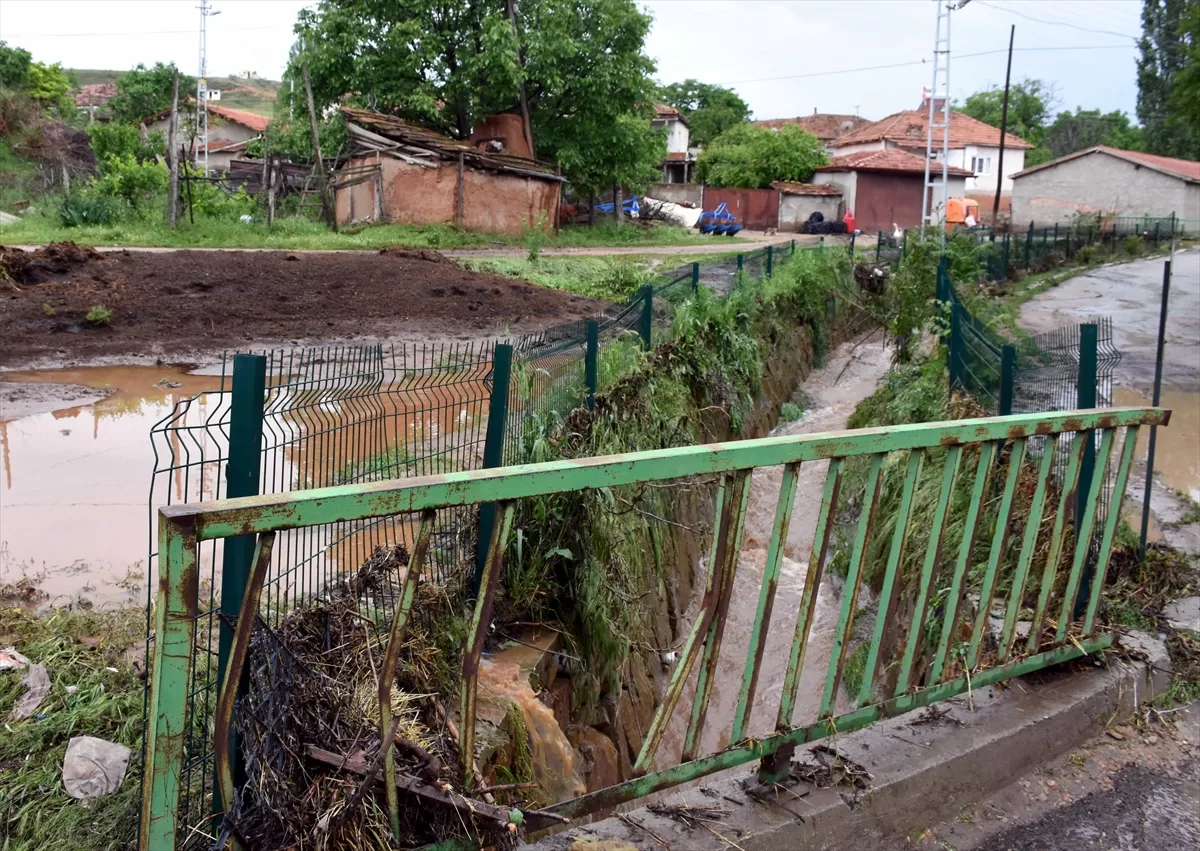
[186, 302]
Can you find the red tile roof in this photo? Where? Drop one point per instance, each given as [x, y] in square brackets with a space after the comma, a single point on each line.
[95, 94]
[909, 129]
[826, 126]
[257, 123]
[664, 111]
[1189, 170]
[677, 155]
[889, 160]
[788, 188]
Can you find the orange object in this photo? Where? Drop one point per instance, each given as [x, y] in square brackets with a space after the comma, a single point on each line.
[957, 211]
[848, 220]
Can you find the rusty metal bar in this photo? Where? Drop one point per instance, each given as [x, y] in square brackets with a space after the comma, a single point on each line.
[866, 520]
[1016, 459]
[1033, 525]
[1083, 538]
[808, 602]
[391, 657]
[700, 627]
[766, 601]
[1057, 539]
[887, 594]
[239, 653]
[1110, 528]
[933, 553]
[480, 621]
[731, 547]
[983, 475]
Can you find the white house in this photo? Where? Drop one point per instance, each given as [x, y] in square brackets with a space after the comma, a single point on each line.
[974, 146]
[680, 161]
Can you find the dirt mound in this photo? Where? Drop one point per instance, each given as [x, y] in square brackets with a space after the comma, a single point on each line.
[188, 302]
[35, 267]
[427, 254]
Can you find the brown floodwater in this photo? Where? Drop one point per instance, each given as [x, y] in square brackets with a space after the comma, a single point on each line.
[74, 482]
[1177, 447]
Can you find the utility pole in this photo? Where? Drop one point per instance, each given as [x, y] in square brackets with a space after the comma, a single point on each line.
[1003, 132]
[206, 12]
[939, 92]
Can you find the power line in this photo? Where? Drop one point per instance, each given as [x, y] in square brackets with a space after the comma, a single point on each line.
[920, 62]
[1053, 23]
[148, 32]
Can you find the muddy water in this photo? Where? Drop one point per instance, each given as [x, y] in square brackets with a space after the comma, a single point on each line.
[74, 482]
[851, 373]
[1177, 448]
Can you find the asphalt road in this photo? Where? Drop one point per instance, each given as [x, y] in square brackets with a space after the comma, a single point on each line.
[1131, 294]
[1145, 810]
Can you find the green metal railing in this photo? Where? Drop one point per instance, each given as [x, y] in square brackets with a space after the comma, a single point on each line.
[957, 609]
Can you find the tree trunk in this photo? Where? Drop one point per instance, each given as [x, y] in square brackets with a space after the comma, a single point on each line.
[173, 155]
[512, 16]
[617, 211]
[318, 162]
[592, 209]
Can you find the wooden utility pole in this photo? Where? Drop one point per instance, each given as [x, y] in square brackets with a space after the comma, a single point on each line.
[273, 171]
[319, 164]
[1003, 131]
[173, 155]
[512, 17]
[459, 199]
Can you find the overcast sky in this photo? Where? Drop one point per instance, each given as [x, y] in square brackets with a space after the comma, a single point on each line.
[784, 58]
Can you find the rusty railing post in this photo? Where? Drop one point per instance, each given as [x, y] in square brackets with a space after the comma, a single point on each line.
[493, 451]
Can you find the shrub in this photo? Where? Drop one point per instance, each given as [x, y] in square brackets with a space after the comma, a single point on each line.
[1087, 254]
[790, 412]
[1133, 245]
[136, 183]
[86, 207]
[99, 315]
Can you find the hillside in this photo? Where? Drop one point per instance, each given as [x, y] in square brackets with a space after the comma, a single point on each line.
[253, 95]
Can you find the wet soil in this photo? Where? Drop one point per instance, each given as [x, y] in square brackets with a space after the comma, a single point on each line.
[178, 302]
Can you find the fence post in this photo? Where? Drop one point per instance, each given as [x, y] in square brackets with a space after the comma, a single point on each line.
[493, 451]
[591, 362]
[1155, 241]
[903, 246]
[741, 261]
[770, 259]
[242, 473]
[1158, 371]
[1008, 363]
[1088, 355]
[793, 247]
[853, 236]
[1068, 242]
[695, 277]
[646, 322]
[878, 245]
[1028, 245]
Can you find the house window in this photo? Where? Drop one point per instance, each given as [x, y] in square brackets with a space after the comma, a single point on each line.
[981, 165]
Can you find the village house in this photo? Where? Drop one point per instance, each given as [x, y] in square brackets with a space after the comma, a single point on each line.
[680, 163]
[228, 131]
[1109, 182]
[93, 99]
[401, 172]
[974, 146]
[883, 187]
[826, 126]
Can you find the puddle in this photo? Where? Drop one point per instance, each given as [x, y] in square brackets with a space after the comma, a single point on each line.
[1177, 448]
[75, 483]
[834, 390]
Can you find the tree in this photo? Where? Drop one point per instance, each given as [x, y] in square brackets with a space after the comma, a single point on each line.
[710, 110]
[1030, 104]
[1086, 128]
[14, 65]
[754, 157]
[142, 92]
[1184, 99]
[1164, 57]
[585, 70]
[49, 86]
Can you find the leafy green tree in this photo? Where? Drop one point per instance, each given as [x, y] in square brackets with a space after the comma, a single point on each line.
[754, 157]
[142, 92]
[710, 110]
[1185, 93]
[292, 140]
[113, 139]
[1164, 58]
[1086, 128]
[49, 85]
[447, 65]
[1030, 104]
[624, 150]
[14, 65]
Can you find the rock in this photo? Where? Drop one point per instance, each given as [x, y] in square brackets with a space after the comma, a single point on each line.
[602, 766]
[561, 692]
[1183, 614]
[37, 685]
[1149, 647]
[93, 767]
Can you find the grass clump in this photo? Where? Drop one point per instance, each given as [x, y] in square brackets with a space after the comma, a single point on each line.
[98, 314]
[95, 691]
[789, 412]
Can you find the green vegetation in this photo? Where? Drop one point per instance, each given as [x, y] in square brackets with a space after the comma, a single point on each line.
[94, 691]
[143, 92]
[590, 554]
[710, 110]
[789, 412]
[754, 157]
[98, 314]
[1166, 79]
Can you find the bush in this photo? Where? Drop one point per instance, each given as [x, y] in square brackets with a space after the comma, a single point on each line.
[790, 412]
[136, 183]
[1086, 255]
[86, 207]
[99, 315]
[1133, 245]
[112, 139]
